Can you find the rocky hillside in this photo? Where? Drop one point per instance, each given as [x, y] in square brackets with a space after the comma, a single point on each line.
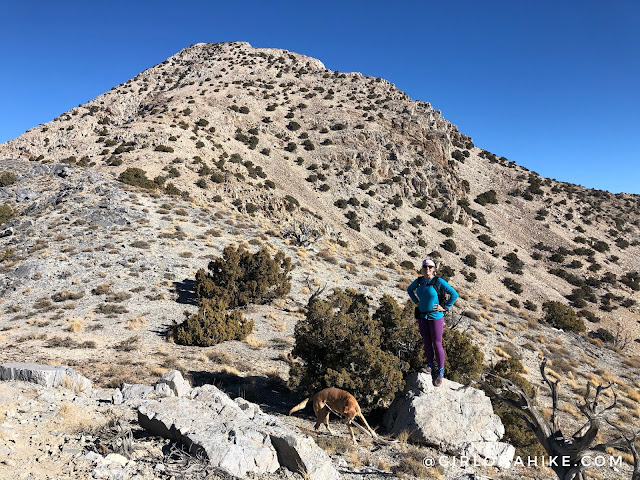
[348, 176]
[276, 135]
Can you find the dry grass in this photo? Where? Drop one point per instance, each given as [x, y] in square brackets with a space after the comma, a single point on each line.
[403, 437]
[501, 353]
[72, 418]
[254, 342]
[136, 323]
[222, 358]
[75, 324]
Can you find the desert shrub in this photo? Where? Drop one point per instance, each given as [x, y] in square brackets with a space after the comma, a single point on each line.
[529, 305]
[443, 214]
[489, 196]
[514, 264]
[600, 246]
[212, 324]
[464, 360]
[291, 203]
[487, 240]
[353, 220]
[163, 148]
[512, 285]
[631, 280]
[407, 264]
[401, 336]
[470, 260]
[449, 245]
[589, 315]
[7, 178]
[293, 126]
[240, 277]
[447, 231]
[384, 248]
[469, 276]
[339, 344]
[603, 334]
[6, 213]
[445, 271]
[559, 315]
[136, 177]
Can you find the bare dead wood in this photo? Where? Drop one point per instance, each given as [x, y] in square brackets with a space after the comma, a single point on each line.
[571, 447]
[629, 444]
[303, 234]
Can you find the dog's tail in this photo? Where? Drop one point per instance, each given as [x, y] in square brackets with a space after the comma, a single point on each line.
[300, 406]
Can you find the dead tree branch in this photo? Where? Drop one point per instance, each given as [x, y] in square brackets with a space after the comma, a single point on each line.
[574, 447]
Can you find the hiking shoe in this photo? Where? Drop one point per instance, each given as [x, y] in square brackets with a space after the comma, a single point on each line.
[438, 381]
[428, 369]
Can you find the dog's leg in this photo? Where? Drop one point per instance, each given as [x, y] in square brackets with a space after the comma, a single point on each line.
[373, 434]
[353, 437]
[322, 416]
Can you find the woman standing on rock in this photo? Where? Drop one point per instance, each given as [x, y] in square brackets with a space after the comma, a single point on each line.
[430, 314]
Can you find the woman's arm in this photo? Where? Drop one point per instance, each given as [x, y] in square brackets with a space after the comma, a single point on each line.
[453, 295]
[411, 291]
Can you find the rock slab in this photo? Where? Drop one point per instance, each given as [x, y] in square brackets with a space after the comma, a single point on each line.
[452, 418]
[47, 375]
[236, 437]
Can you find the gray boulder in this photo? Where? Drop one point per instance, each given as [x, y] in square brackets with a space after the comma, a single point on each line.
[175, 382]
[451, 418]
[236, 436]
[47, 375]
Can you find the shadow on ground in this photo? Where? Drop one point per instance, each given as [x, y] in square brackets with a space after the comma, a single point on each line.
[186, 290]
[270, 393]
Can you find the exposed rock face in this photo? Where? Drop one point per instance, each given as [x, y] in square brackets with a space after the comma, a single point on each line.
[454, 419]
[47, 375]
[237, 436]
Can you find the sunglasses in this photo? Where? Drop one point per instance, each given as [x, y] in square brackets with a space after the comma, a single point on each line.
[428, 267]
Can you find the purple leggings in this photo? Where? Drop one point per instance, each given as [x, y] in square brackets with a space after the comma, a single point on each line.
[431, 331]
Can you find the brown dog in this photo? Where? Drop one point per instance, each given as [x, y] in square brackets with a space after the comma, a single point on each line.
[337, 401]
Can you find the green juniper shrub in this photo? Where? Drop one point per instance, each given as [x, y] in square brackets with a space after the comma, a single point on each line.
[470, 260]
[339, 344]
[7, 178]
[6, 213]
[489, 196]
[487, 240]
[463, 359]
[408, 265]
[469, 276]
[449, 245]
[384, 249]
[212, 324]
[512, 285]
[445, 271]
[603, 334]
[529, 305]
[631, 280]
[514, 264]
[589, 315]
[240, 277]
[562, 316]
[401, 335]
[136, 177]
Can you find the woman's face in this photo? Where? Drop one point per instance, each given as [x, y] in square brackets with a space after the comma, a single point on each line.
[428, 271]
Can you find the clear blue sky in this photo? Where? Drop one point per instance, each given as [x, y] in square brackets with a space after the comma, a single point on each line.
[552, 85]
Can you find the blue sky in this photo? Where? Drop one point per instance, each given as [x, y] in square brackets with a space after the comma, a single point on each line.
[552, 85]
